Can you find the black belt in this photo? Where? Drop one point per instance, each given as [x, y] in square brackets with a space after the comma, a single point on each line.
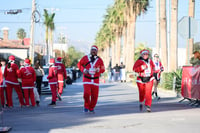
[90, 77]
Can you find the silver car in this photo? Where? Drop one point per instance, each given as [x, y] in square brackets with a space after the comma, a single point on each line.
[45, 82]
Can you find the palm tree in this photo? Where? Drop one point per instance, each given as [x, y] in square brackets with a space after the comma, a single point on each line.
[21, 34]
[135, 8]
[49, 26]
[174, 36]
[120, 24]
[163, 34]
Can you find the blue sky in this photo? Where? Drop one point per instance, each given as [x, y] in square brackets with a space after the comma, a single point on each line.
[79, 20]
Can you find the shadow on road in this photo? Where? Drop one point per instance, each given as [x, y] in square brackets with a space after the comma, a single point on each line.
[68, 113]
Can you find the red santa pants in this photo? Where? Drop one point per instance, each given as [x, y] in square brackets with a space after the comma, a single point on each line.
[60, 87]
[53, 91]
[145, 92]
[2, 95]
[9, 94]
[90, 96]
[29, 93]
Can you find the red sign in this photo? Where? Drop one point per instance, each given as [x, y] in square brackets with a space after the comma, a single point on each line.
[190, 87]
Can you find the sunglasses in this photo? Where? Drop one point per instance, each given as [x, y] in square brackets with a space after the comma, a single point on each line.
[156, 56]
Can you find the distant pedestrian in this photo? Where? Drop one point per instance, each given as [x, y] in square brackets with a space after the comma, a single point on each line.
[74, 74]
[116, 72]
[39, 75]
[122, 72]
[11, 76]
[28, 77]
[92, 66]
[62, 76]
[53, 80]
[157, 74]
[144, 66]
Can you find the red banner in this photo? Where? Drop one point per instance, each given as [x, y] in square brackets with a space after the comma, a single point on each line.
[190, 87]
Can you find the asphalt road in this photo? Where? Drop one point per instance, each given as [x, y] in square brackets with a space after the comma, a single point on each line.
[117, 111]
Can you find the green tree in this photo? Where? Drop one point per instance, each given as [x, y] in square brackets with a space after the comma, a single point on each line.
[21, 34]
[71, 57]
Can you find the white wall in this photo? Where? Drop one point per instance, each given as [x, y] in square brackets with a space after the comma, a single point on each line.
[181, 56]
[20, 53]
[60, 46]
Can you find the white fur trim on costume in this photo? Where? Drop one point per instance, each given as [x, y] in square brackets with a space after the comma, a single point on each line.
[28, 87]
[52, 83]
[14, 83]
[140, 81]
[144, 52]
[94, 48]
[91, 83]
[60, 81]
[143, 67]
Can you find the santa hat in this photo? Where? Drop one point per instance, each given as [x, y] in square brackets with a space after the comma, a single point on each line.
[94, 47]
[52, 61]
[144, 51]
[59, 59]
[11, 58]
[27, 61]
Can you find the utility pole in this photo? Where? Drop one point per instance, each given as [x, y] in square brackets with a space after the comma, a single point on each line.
[158, 27]
[190, 41]
[31, 49]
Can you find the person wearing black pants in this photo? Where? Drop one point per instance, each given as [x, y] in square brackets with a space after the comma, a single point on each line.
[39, 74]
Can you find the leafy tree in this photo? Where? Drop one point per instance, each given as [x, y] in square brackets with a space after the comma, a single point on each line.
[71, 57]
[21, 34]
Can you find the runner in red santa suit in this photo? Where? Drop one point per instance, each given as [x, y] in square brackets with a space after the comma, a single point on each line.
[28, 77]
[11, 79]
[157, 74]
[2, 82]
[92, 66]
[62, 75]
[144, 66]
[53, 80]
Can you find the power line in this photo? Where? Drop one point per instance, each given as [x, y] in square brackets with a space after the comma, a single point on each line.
[17, 22]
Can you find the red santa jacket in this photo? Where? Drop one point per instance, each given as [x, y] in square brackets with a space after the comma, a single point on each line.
[86, 64]
[28, 76]
[1, 78]
[52, 77]
[144, 69]
[61, 72]
[11, 74]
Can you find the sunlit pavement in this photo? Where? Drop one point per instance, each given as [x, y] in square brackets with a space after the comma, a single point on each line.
[117, 111]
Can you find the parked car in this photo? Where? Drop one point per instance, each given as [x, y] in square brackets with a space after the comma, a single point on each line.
[69, 76]
[69, 72]
[45, 82]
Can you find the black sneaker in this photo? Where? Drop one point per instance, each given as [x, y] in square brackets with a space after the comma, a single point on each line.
[141, 107]
[38, 103]
[52, 103]
[59, 97]
[86, 110]
[158, 98]
[148, 108]
[92, 111]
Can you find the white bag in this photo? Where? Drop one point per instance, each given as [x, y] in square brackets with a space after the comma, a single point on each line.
[37, 97]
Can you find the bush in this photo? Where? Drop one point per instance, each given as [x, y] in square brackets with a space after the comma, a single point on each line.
[167, 80]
